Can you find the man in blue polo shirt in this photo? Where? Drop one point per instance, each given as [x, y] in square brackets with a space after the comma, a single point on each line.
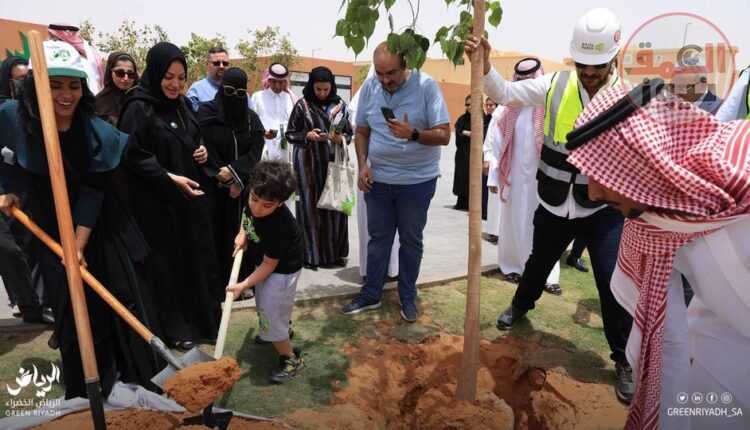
[404, 155]
[204, 90]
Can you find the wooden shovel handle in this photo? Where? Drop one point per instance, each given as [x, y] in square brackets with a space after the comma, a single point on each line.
[226, 312]
[98, 288]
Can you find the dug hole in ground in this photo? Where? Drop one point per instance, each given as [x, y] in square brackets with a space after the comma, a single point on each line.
[405, 378]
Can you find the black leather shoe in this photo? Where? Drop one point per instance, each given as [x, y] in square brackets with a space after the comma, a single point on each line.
[577, 263]
[508, 317]
[625, 388]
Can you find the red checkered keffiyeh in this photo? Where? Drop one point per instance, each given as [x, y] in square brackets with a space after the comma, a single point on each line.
[687, 167]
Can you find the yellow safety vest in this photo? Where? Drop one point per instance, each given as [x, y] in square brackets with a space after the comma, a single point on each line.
[562, 108]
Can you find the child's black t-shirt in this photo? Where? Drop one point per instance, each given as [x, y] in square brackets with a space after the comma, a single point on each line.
[276, 236]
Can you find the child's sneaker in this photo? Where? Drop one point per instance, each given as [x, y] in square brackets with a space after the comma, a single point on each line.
[289, 368]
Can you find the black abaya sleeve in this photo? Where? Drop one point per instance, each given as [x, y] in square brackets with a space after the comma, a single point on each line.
[245, 163]
[298, 126]
[142, 163]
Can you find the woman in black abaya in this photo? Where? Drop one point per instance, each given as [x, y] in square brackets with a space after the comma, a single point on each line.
[183, 266]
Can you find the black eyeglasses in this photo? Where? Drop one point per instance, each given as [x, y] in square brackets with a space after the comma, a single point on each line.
[234, 92]
[596, 66]
[220, 63]
[120, 73]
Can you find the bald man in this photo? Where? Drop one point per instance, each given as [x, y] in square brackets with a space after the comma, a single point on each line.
[402, 120]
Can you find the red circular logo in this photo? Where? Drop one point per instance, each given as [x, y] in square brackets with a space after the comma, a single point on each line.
[690, 53]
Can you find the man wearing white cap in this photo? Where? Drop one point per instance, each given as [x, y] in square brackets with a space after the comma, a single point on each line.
[274, 104]
[565, 210]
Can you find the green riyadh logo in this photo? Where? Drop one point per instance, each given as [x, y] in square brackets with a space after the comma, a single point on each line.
[25, 53]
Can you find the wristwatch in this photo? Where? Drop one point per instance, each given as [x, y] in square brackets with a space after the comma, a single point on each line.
[415, 135]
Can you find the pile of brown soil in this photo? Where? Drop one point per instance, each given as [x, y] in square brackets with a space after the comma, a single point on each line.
[201, 384]
[396, 386]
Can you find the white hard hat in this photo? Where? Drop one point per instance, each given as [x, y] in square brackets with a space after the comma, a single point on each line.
[596, 37]
[62, 60]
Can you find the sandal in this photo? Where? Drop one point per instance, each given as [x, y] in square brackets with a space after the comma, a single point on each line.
[513, 278]
[553, 289]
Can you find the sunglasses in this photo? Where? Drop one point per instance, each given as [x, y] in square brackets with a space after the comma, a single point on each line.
[234, 92]
[596, 66]
[220, 63]
[120, 73]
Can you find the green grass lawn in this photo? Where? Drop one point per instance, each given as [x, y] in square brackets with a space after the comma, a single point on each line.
[568, 328]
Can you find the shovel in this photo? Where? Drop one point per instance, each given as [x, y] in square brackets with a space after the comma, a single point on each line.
[208, 417]
[193, 356]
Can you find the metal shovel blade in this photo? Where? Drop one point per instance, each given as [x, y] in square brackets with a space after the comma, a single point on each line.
[191, 357]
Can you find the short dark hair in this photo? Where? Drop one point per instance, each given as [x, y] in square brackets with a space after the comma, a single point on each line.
[272, 180]
[217, 50]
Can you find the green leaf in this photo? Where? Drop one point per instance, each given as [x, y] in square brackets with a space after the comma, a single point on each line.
[368, 27]
[420, 57]
[358, 44]
[466, 17]
[496, 16]
[394, 44]
[342, 27]
[389, 3]
[407, 42]
[363, 13]
[423, 42]
[458, 58]
[441, 33]
[449, 49]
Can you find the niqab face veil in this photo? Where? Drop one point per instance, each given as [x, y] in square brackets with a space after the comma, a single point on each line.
[234, 106]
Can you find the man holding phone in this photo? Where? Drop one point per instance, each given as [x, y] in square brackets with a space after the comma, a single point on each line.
[402, 120]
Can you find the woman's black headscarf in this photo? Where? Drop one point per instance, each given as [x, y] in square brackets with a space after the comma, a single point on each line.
[320, 74]
[5, 80]
[234, 107]
[158, 60]
[110, 99]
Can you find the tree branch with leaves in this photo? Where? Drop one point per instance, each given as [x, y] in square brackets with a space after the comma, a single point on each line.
[360, 17]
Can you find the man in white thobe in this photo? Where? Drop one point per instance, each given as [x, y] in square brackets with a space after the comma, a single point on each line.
[274, 104]
[512, 177]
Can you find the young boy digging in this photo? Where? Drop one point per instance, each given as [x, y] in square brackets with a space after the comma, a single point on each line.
[274, 241]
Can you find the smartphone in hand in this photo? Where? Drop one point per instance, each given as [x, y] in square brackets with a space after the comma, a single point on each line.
[387, 113]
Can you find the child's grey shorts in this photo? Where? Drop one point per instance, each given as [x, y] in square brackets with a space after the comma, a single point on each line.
[274, 299]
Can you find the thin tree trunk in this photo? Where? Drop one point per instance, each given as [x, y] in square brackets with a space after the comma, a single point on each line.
[467, 378]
